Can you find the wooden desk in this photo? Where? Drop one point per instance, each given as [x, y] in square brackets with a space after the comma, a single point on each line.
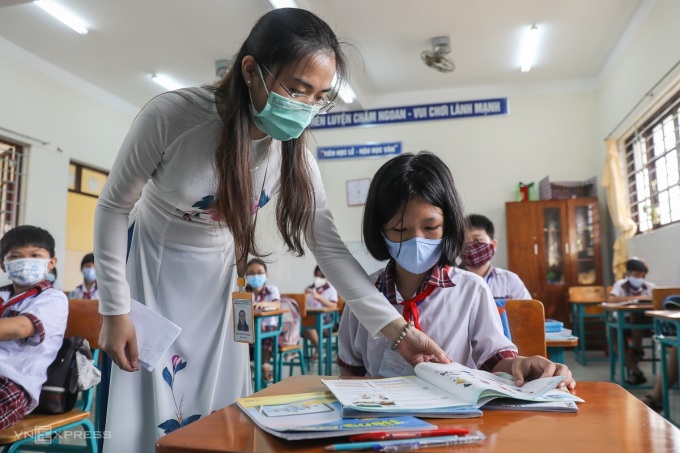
[259, 336]
[619, 324]
[556, 347]
[672, 316]
[321, 327]
[580, 315]
[611, 420]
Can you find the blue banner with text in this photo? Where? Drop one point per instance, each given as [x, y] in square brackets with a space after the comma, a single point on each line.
[427, 112]
[366, 150]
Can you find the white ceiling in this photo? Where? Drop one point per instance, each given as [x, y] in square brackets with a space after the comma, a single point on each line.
[131, 39]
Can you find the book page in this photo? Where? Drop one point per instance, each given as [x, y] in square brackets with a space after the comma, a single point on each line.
[316, 415]
[391, 394]
[478, 387]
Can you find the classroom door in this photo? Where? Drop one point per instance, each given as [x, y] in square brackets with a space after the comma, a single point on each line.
[84, 188]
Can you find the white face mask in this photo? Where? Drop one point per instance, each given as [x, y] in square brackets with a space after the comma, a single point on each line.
[27, 271]
[319, 282]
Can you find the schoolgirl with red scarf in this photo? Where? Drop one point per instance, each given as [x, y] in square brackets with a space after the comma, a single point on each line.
[414, 218]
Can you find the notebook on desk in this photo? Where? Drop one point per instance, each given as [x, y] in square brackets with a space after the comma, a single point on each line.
[628, 302]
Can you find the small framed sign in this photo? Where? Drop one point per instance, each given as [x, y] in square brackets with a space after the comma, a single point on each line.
[357, 190]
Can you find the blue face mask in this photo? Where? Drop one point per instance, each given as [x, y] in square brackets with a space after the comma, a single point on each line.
[27, 271]
[89, 274]
[50, 278]
[283, 118]
[416, 255]
[636, 282]
[256, 281]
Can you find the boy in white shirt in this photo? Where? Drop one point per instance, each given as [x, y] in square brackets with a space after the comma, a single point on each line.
[480, 247]
[32, 320]
[633, 287]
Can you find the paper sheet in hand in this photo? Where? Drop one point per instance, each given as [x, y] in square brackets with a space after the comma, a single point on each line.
[155, 334]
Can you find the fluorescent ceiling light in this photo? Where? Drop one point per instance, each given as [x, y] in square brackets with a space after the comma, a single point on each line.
[166, 82]
[63, 15]
[529, 49]
[283, 4]
[347, 94]
[345, 91]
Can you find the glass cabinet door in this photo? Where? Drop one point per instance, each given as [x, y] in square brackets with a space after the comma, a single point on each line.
[585, 240]
[554, 256]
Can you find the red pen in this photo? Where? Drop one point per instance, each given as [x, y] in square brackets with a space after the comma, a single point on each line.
[387, 435]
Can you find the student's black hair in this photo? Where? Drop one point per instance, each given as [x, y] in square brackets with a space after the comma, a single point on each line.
[54, 271]
[257, 261]
[89, 258]
[318, 269]
[634, 265]
[398, 181]
[26, 236]
[480, 222]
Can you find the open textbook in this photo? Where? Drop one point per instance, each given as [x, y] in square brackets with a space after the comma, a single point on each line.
[317, 415]
[446, 391]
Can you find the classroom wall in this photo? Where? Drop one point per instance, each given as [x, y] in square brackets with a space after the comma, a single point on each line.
[544, 134]
[70, 118]
[651, 54]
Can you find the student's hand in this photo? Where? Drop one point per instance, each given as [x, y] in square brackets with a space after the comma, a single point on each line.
[308, 291]
[119, 340]
[416, 347]
[534, 367]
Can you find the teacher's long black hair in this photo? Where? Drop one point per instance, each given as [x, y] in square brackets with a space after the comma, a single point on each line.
[280, 38]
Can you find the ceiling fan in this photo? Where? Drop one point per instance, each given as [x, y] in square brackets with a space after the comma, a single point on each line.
[436, 58]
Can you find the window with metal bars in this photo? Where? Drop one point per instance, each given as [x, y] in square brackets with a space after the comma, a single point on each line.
[11, 185]
[652, 159]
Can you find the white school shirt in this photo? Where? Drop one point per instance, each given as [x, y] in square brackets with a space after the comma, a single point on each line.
[463, 320]
[624, 289]
[269, 293]
[81, 292]
[506, 285]
[25, 361]
[328, 292]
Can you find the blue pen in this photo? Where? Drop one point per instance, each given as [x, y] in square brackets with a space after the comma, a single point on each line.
[409, 444]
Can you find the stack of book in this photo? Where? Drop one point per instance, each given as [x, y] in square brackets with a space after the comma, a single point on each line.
[356, 406]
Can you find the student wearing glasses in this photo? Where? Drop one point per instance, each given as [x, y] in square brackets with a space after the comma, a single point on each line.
[198, 164]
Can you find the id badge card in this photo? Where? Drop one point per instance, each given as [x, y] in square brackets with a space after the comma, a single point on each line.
[244, 317]
[394, 365]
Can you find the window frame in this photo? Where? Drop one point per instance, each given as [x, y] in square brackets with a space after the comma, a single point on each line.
[642, 162]
[76, 186]
[12, 186]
